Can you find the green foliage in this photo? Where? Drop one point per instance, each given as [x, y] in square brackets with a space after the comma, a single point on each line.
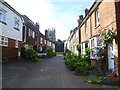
[70, 60]
[29, 55]
[84, 68]
[99, 73]
[86, 57]
[101, 54]
[44, 50]
[23, 52]
[74, 63]
[49, 52]
[106, 36]
[79, 48]
[87, 51]
[64, 41]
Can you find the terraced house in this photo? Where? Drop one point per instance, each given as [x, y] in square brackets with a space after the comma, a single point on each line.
[29, 32]
[18, 30]
[74, 40]
[102, 15]
[32, 37]
[11, 24]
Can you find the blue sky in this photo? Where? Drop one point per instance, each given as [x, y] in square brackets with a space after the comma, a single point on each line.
[61, 14]
[68, 12]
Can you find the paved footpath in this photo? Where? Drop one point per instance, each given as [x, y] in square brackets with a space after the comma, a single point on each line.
[47, 73]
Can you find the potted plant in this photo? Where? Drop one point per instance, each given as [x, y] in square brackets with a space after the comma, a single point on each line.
[110, 73]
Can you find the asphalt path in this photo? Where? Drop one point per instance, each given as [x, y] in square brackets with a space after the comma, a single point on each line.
[47, 73]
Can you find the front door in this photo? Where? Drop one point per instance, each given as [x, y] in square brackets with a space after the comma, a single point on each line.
[110, 57]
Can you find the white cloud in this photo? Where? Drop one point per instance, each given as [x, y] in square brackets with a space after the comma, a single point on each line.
[39, 11]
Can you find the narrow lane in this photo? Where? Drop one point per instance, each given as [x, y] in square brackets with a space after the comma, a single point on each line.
[47, 73]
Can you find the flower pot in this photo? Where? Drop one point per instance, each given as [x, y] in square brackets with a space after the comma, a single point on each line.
[110, 74]
[94, 62]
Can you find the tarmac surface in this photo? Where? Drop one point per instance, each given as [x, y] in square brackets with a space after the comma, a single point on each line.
[47, 73]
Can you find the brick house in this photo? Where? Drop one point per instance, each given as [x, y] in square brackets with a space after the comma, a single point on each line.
[10, 31]
[43, 41]
[28, 33]
[101, 15]
[32, 37]
[74, 40]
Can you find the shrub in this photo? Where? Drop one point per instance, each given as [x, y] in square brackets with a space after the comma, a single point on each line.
[44, 50]
[49, 52]
[23, 52]
[29, 55]
[53, 53]
[78, 64]
[70, 60]
[97, 71]
[83, 68]
[70, 64]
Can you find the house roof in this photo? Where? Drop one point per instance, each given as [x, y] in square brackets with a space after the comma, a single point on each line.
[26, 19]
[11, 8]
[91, 10]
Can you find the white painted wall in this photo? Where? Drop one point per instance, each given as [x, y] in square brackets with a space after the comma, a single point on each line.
[8, 30]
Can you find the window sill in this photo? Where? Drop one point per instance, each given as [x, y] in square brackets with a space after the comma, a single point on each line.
[97, 26]
[85, 34]
[4, 45]
[17, 29]
[3, 22]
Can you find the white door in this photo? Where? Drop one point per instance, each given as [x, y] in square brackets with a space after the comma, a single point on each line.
[110, 57]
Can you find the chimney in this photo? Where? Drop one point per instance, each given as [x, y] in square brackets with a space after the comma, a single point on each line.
[46, 33]
[71, 31]
[37, 26]
[80, 19]
[86, 11]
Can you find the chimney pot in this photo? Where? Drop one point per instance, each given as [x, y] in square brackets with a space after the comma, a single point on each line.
[80, 19]
[86, 11]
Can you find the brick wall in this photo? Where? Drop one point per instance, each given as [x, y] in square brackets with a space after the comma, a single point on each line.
[10, 51]
[107, 15]
[85, 37]
[118, 32]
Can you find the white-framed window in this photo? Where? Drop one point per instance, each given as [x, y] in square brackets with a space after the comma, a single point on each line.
[75, 49]
[29, 32]
[83, 46]
[33, 34]
[16, 23]
[95, 44]
[3, 41]
[2, 15]
[41, 40]
[24, 28]
[97, 18]
[16, 44]
[44, 41]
